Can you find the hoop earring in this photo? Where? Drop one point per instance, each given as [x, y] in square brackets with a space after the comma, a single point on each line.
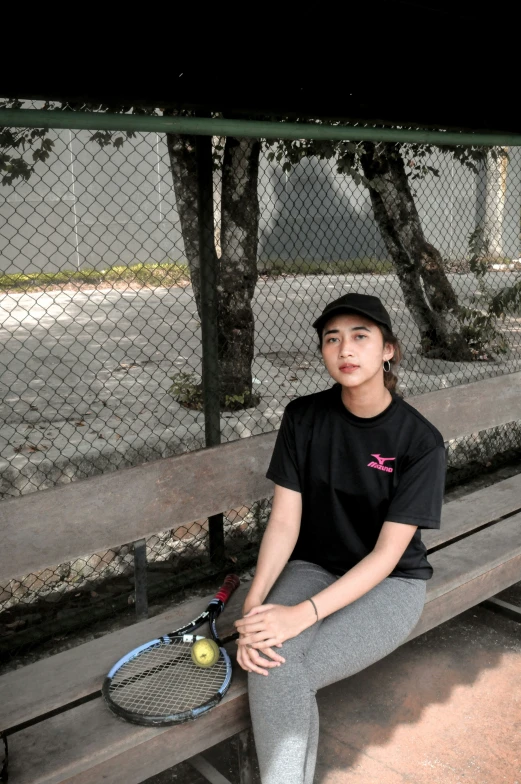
[387, 369]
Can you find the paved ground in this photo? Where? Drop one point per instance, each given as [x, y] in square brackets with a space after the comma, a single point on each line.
[443, 709]
[85, 375]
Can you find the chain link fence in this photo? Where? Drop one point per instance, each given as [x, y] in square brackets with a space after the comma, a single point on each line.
[101, 332]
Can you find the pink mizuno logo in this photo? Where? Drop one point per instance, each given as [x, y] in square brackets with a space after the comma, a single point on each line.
[380, 464]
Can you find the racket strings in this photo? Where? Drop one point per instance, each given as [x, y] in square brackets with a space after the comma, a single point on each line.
[147, 673]
[164, 681]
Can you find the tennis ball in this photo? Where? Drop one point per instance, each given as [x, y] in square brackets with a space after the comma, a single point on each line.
[205, 653]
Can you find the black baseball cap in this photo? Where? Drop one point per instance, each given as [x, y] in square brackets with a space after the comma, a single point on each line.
[365, 304]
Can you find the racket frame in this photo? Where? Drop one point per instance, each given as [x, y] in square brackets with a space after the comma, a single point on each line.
[184, 633]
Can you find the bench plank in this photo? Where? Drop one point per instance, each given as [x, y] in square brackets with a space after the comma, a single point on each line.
[461, 562]
[451, 593]
[78, 672]
[68, 676]
[471, 408]
[52, 526]
[476, 509]
[87, 744]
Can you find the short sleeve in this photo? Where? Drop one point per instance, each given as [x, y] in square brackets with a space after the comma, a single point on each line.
[283, 468]
[419, 496]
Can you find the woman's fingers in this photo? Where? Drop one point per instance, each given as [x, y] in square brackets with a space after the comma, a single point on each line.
[262, 644]
[248, 651]
[262, 639]
[249, 666]
[261, 625]
[258, 609]
[272, 654]
[250, 616]
[266, 650]
[253, 626]
[251, 661]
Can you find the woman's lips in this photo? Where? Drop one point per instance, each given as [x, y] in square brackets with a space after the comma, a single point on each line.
[348, 368]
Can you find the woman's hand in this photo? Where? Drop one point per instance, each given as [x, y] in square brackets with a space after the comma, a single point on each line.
[251, 659]
[272, 624]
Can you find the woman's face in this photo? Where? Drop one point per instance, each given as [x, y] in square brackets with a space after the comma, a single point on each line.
[354, 351]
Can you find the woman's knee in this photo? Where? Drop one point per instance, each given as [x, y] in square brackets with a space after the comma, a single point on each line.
[291, 670]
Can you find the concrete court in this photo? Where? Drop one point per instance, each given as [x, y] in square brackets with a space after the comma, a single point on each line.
[85, 375]
[443, 709]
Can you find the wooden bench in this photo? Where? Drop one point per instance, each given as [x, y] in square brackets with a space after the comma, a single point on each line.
[59, 728]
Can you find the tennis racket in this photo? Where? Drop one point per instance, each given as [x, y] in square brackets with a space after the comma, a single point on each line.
[158, 683]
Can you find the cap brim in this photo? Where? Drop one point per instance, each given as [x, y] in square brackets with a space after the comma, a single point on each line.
[321, 320]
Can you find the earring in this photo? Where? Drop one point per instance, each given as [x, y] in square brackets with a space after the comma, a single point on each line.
[388, 368]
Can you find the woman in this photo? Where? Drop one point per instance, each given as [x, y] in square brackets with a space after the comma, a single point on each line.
[340, 579]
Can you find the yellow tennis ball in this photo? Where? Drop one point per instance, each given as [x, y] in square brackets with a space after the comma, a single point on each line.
[205, 653]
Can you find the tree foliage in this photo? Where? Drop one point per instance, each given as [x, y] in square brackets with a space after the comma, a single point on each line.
[17, 144]
[477, 323]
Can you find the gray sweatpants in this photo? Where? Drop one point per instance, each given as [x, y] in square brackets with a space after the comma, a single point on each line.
[283, 705]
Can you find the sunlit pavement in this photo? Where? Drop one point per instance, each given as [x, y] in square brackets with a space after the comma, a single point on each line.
[85, 375]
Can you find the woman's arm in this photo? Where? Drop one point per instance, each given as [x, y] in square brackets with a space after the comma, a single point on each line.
[371, 570]
[272, 624]
[276, 547]
[277, 544]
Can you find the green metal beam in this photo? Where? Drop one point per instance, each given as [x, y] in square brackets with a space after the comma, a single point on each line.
[203, 126]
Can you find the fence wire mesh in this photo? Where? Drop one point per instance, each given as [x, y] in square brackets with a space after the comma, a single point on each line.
[100, 313]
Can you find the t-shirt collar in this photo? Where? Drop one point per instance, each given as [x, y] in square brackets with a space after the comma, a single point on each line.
[383, 416]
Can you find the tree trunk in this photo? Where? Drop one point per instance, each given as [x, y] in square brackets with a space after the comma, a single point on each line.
[434, 306]
[238, 267]
[495, 197]
[183, 165]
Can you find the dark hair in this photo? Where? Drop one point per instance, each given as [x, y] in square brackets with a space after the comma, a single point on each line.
[390, 378]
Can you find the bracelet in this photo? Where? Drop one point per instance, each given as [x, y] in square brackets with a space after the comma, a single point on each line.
[314, 607]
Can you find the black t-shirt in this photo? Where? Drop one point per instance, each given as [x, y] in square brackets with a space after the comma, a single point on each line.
[354, 474]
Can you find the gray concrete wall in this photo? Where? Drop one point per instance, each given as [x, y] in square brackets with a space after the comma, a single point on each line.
[93, 207]
[313, 213]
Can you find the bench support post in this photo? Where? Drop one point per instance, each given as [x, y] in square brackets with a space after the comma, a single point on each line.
[245, 750]
[140, 579]
[207, 770]
[503, 608]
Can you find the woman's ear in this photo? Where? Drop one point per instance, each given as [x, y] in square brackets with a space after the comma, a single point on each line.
[388, 352]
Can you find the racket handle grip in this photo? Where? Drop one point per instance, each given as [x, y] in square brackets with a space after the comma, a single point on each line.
[230, 584]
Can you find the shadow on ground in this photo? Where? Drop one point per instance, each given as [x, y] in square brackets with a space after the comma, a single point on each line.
[442, 708]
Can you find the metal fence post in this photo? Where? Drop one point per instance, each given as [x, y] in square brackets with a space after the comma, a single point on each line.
[209, 316]
[140, 579]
